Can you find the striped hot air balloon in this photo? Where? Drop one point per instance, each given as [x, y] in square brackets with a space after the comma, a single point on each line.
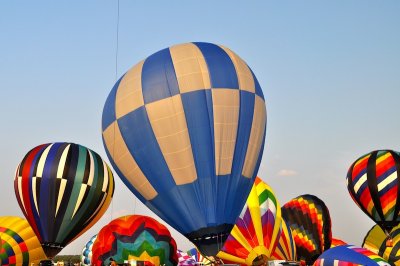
[373, 183]
[388, 247]
[286, 247]
[349, 255]
[309, 219]
[256, 232]
[18, 243]
[185, 128]
[62, 189]
[337, 242]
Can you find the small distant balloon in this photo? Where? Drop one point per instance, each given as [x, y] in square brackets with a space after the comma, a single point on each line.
[86, 256]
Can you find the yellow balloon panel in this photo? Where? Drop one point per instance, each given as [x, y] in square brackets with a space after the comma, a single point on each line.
[19, 244]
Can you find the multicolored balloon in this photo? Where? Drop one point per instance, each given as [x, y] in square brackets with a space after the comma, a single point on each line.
[286, 248]
[373, 183]
[388, 247]
[309, 219]
[86, 256]
[337, 242]
[62, 189]
[18, 243]
[185, 259]
[256, 232]
[199, 258]
[349, 255]
[134, 237]
[185, 128]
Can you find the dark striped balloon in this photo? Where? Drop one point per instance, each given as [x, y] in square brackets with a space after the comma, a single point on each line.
[309, 219]
[388, 247]
[373, 183]
[62, 189]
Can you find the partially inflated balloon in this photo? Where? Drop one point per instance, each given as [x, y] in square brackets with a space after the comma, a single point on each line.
[185, 259]
[134, 237]
[86, 256]
[309, 219]
[373, 183]
[254, 237]
[18, 243]
[185, 128]
[62, 189]
[286, 248]
[199, 258]
[337, 242]
[388, 247]
[349, 255]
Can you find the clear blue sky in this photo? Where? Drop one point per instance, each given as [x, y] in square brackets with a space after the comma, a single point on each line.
[330, 72]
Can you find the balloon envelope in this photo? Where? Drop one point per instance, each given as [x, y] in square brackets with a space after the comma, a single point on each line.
[185, 128]
[349, 255]
[199, 258]
[337, 242]
[62, 189]
[18, 243]
[309, 219]
[185, 259]
[256, 232]
[286, 247]
[134, 237]
[373, 183]
[86, 256]
[378, 242]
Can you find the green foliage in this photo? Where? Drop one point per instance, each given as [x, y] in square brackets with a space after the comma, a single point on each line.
[67, 258]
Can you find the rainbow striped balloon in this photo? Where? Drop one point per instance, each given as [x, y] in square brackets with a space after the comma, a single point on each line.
[349, 255]
[309, 219]
[286, 248]
[373, 183]
[337, 242]
[255, 234]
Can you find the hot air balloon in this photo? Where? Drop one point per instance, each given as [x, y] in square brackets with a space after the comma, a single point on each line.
[185, 259]
[349, 255]
[286, 248]
[86, 256]
[377, 241]
[255, 235]
[309, 219]
[372, 181]
[62, 189]
[18, 243]
[185, 128]
[134, 237]
[337, 242]
[199, 258]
